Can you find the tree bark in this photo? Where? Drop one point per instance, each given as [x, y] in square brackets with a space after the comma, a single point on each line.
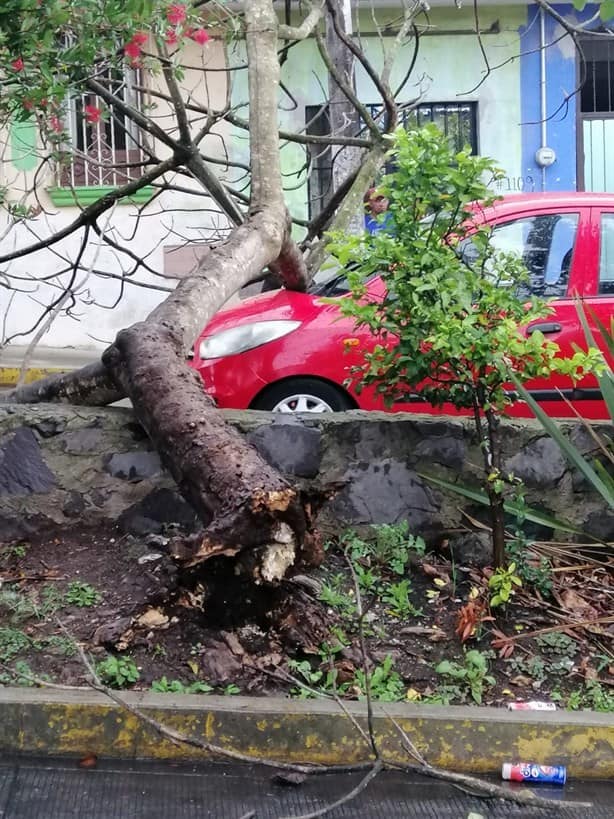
[249, 510]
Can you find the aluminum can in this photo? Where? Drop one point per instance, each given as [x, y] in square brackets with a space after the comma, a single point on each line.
[531, 772]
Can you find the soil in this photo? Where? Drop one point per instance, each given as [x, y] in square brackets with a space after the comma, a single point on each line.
[121, 596]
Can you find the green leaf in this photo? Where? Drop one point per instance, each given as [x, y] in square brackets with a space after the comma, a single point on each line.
[606, 10]
[573, 455]
[606, 380]
[534, 515]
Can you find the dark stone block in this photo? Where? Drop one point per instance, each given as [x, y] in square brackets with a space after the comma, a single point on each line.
[22, 468]
[163, 506]
[134, 466]
[90, 439]
[445, 450]
[540, 464]
[74, 505]
[289, 446]
[600, 524]
[49, 427]
[387, 492]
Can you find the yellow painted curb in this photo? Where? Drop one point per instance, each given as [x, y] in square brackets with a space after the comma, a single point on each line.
[459, 738]
[9, 375]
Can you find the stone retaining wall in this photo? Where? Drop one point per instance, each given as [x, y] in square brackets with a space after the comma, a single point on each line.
[63, 465]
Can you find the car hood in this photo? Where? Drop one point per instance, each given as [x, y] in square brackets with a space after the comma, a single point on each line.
[273, 306]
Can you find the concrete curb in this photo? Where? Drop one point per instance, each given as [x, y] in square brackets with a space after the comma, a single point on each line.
[9, 375]
[459, 738]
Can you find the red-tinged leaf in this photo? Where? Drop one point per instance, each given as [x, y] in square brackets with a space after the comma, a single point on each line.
[89, 761]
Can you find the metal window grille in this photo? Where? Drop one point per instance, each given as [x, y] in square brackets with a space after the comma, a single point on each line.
[110, 151]
[597, 93]
[458, 121]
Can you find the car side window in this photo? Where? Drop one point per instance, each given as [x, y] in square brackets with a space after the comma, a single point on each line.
[545, 244]
[606, 255]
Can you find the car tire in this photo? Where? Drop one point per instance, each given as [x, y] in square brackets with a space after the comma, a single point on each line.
[303, 395]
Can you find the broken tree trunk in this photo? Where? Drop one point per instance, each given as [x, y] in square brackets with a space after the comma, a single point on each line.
[249, 510]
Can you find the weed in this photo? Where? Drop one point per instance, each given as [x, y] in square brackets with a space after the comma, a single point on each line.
[592, 695]
[556, 643]
[118, 672]
[534, 667]
[472, 677]
[82, 595]
[315, 678]
[12, 643]
[20, 607]
[533, 571]
[16, 550]
[384, 683]
[396, 596]
[59, 644]
[51, 600]
[164, 686]
[230, 690]
[368, 579]
[158, 651]
[502, 583]
[20, 674]
[333, 594]
[390, 547]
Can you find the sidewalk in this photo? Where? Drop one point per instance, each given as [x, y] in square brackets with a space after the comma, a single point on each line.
[32, 788]
[45, 361]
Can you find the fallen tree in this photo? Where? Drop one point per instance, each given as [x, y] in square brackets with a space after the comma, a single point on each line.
[77, 50]
[245, 505]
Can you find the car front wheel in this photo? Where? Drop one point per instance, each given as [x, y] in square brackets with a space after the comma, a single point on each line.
[303, 395]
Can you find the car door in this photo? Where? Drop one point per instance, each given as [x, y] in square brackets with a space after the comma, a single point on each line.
[599, 295]
[557, 247]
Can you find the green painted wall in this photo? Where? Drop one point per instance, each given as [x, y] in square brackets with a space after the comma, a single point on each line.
[449, 68]
[23, 145]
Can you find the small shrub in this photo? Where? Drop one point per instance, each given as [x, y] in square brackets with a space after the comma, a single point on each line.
[118, 672]
[471, 677]
[82, 595]
[165, 686]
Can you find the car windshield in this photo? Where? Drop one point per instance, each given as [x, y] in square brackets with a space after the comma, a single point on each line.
[337, 285]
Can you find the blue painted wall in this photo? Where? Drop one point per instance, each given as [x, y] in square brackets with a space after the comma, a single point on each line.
[561, 101]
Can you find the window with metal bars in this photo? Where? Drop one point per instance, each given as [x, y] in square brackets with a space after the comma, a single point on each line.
[597, 93]
[457, 120]
[106, 151]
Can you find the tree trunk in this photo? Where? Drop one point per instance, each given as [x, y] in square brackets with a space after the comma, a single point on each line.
[343, 117]
[250, 511]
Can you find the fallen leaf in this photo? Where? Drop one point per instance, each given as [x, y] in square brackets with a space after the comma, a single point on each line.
[193, 666]
[152, 618]
[233, 643]
[88, 761]
[571, 601]
[412, 695]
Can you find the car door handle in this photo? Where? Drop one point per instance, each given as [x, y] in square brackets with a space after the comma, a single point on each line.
[544, 327]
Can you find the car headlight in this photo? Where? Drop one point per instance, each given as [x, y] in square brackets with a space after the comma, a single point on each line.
[246, 337]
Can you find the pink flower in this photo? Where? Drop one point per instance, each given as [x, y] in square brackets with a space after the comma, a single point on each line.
[171, 38]
[17, 65]
[92, 114]
[56, 124]
[132, 50]
[176, 14]
[28, 105]
[200, 36]
[140, 38]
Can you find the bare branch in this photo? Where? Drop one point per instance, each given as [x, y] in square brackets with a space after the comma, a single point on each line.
[306, 27]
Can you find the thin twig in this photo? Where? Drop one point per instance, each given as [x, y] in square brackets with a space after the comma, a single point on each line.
[477, 786]
[375, 769]
[365, 657]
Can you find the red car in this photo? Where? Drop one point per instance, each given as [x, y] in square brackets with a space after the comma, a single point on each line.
[283, 351]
